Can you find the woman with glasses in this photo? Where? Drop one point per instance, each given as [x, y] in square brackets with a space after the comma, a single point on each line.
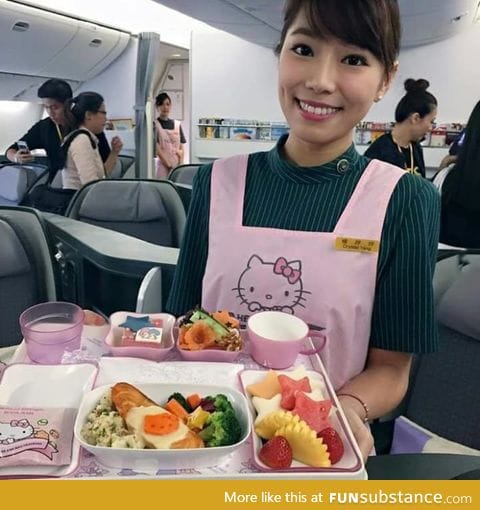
[49, 132]
[83, 162]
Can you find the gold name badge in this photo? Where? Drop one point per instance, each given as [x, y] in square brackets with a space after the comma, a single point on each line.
[361, 245]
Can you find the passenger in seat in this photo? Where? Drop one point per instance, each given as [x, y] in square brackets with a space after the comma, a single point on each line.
[315, 229]
[83, 162]
[48, 133]
[170, 138]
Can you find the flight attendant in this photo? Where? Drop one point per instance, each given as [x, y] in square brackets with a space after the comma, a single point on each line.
[170, 138]
[315, 229]
[414, 117]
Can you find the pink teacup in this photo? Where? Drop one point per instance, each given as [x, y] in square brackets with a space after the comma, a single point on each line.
[276, 338]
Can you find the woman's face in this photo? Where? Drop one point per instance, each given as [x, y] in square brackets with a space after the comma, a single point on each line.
[325, 88]
[95, 121]
[422, 125]
[164, 109]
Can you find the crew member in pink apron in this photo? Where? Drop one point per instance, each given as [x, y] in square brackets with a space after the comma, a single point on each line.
[313, 228]
[170, 138]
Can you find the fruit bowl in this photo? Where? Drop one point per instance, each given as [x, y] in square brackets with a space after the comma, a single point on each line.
[349, 466]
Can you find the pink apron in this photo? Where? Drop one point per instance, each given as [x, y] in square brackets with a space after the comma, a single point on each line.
[169, 141]
[254, 268]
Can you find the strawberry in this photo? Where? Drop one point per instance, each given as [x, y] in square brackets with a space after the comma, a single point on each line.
[276, 453]
[333, 442]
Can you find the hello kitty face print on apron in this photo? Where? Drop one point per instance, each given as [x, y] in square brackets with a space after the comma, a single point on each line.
[250, 269]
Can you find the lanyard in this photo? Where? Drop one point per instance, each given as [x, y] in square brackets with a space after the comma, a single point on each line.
[409, 168]
[59, 132]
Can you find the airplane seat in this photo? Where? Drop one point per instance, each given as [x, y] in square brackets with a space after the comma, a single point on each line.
[147, 209]
[150, 295]
[18, 180]
[121, 167]
[57, 181]
[442, 405]
[184, 174]
[26, 269]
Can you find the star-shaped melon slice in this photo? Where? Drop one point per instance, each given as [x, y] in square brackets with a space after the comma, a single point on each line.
[270, 423]
[306, 447]
[289, 388]
[314, 413]
[316, 381]
[265, 406]
[267, 387]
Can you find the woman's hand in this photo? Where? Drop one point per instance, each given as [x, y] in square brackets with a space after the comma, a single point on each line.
[359, 429]
[117, 144]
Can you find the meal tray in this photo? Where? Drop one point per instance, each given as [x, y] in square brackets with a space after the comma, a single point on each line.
[240, 464]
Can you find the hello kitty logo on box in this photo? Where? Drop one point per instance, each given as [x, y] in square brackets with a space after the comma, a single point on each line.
[31, 436]
[18, 436]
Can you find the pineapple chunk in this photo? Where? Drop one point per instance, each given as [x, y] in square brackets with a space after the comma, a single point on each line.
[267, 427]
[197, 419]
[306, 447]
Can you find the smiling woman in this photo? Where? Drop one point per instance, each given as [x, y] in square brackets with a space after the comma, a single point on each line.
[307, 201]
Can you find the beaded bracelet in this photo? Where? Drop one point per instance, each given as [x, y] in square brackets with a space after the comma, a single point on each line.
[358, 399]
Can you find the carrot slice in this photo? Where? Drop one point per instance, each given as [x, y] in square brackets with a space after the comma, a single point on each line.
[177, 409]
[226, 319]
[199, 336]
[194, 400]
[160, 424]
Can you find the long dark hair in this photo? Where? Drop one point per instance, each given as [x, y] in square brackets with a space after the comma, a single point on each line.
[78, 107]
[370, 24]
[416, 100]
[462, 184]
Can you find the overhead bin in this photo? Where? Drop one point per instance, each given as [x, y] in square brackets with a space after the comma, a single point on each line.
[31, 38]
[90, 51]
[41, 43]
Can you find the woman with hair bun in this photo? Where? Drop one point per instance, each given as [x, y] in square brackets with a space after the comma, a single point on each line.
[414, 116]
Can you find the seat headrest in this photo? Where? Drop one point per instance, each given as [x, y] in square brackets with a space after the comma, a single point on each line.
[122, 202]
[458, 307]
[13, 259]
[14, 182]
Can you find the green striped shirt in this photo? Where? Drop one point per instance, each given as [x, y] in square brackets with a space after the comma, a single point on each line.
[279, 194]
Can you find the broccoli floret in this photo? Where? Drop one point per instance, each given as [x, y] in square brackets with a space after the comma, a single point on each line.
[181, 400]
[223, 429]
[217, 403]
[222, 403]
